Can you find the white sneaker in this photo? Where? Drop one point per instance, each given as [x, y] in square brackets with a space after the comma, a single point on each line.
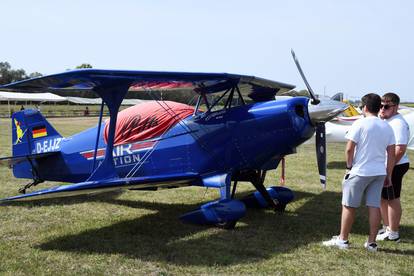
[389, 236]
[373, 247]
[338, 242]
[382, 230]
[383, 235]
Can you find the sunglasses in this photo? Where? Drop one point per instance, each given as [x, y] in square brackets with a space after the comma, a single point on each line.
[387, 106]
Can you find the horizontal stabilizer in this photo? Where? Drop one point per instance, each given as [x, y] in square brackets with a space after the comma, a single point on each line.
[12, 160]
[93, 187]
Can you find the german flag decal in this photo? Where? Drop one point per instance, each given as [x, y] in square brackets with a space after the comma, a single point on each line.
[39, 131]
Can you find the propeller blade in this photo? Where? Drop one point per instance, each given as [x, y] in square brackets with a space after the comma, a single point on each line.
[312, 94]
[320, 143]
[320, 112]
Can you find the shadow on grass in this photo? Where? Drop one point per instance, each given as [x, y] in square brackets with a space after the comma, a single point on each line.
[397, 251]
[63, 200]
[261, 234]
[336, 165]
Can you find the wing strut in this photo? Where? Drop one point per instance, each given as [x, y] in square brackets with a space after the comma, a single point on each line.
[112, 93]
[197, 105]
[97, 135]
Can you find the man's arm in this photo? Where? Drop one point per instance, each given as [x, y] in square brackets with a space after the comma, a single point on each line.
[399, 152]
[390, 164]
[349, 153]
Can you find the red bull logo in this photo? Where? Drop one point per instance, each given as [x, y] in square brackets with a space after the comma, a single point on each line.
[19, 132]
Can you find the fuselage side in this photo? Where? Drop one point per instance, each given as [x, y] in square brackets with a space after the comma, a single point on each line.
[242, 137]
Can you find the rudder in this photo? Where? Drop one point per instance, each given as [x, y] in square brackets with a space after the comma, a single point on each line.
[30, 127]
[32, 134]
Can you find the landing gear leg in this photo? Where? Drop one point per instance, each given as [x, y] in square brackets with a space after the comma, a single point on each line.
[233, 192]
[257, 182]
[27, 186]
[36, 179]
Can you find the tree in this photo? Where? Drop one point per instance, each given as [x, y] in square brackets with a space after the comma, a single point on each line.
[84, 65]
[8, 75]
[35, 75]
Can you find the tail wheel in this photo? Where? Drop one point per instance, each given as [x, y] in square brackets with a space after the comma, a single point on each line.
[228, 225]
[280, 208]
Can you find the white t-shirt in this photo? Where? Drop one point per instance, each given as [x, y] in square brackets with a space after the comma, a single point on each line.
[401, 133]
[372, 136]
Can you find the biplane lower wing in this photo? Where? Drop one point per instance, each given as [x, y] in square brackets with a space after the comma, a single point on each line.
[106, 185]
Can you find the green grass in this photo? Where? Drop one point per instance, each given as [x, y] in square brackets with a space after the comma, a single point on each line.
[139, 232]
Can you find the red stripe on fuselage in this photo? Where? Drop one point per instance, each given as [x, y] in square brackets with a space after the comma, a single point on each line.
[134, 148]
[90, 154]
[138, 146]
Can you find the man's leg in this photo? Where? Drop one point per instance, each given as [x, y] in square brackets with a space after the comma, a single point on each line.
[374, 214]
[394, 214]
[347, 219]
[374, 203]
[394, 204]
[384, 212]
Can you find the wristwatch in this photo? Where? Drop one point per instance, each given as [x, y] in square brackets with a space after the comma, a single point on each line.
[349, 168]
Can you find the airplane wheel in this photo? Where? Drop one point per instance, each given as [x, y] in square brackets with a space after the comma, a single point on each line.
[280, 208]
[228, 225]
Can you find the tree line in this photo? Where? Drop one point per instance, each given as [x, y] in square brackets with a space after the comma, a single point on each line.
[8, 74]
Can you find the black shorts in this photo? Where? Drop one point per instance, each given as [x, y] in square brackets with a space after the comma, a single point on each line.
[394, 191]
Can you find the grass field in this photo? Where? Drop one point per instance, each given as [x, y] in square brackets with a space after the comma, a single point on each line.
[138, 233]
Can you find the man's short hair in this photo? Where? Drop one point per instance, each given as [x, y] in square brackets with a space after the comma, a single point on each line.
[372, 101]
[391, 97]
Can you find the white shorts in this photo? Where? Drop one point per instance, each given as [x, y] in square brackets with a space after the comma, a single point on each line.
[356, 187]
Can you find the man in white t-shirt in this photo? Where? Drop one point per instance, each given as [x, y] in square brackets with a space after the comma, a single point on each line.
[369, 140]
[391, 210]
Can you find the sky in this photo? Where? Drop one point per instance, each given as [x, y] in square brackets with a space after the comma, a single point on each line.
[355, 47]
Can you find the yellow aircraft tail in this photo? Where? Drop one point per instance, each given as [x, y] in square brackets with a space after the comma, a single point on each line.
[351, 110]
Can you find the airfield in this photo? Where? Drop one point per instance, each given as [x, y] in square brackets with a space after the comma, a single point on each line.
[135, 232]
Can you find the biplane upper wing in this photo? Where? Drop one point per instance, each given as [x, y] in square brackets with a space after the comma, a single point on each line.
[200, 82]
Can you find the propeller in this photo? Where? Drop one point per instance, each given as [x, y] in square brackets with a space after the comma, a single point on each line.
[314, 99]
[320, 143]
[320, 112]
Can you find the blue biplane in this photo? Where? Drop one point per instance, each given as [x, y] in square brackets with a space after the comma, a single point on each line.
[239, 136]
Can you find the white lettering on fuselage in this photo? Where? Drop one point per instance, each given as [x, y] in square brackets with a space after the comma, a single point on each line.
[122, 150]
[126, 160]
[48, 145]
[216, 115]
[123, 155]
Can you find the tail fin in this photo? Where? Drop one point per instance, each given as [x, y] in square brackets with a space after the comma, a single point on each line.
[32, 136]
[350, 111]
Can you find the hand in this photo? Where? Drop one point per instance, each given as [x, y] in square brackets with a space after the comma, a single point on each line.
[387, 181]
[347, 172]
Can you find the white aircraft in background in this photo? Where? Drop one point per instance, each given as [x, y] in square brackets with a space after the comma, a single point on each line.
[337, 128]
